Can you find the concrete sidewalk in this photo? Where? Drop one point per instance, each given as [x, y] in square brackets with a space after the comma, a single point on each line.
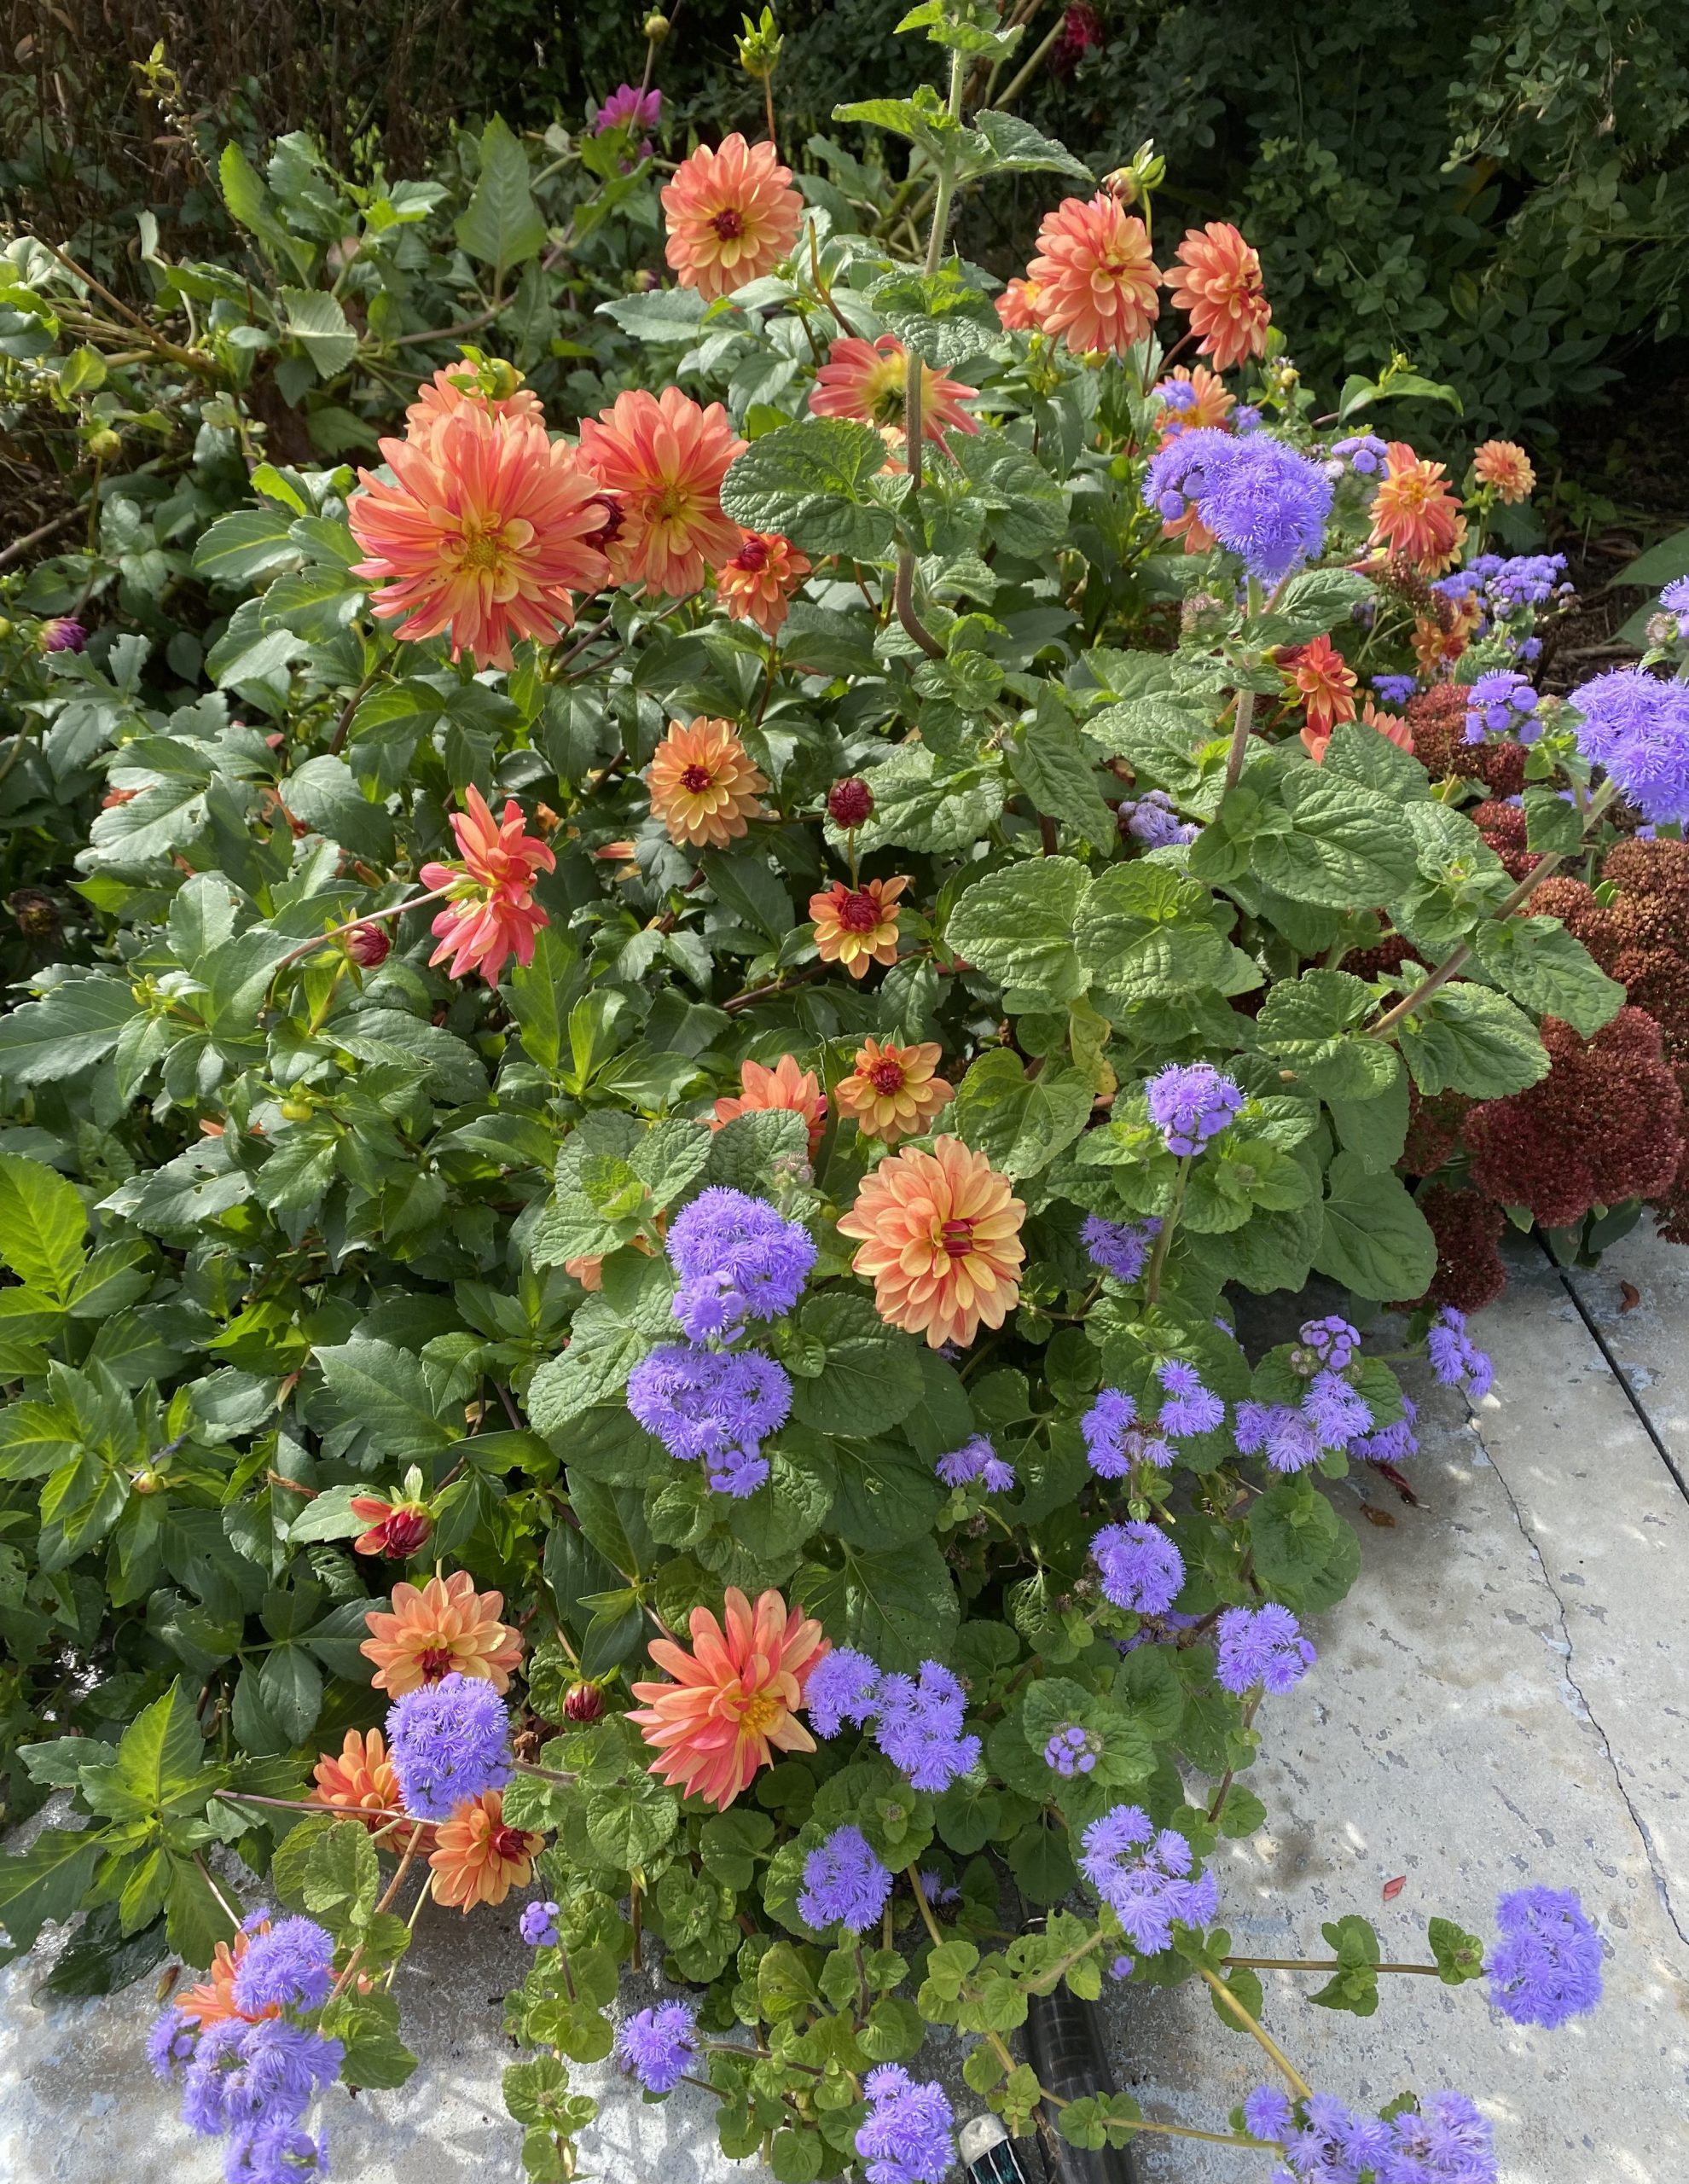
[1501, 1701]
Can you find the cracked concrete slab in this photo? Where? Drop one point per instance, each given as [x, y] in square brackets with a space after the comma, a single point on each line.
[1498, 1701]
[1637, 1298]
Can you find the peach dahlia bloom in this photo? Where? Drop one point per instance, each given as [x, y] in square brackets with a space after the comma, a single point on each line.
[361, 1784]
[484, 536]
[661, 460]
[758, 584]
[441, 1629]
[797, 1091]
[858, 925]
[702, 785]
[732, 216]
[1389, 725]
[940, 1235]
[734, 1699]
[1217, 285]
[1318, 677]
[213, 2000]
[868, 381]
[1210, 403]
[477, 1858]
[1505, 465]
[458, 387]
[491, 914]
[1415, 513]
[1018, 307]
[1096, 281]
[892, 1092]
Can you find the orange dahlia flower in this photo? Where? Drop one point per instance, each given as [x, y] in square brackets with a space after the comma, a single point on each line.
[732, 216]
[892, 1092]
[734, 1699]
[1415, 513]
[441, 1629]
[1018, 307]
[477, 1859]
[1096, 281]
[1390, 725]
[869, 380]
[662, 460]
[485, 534]
[1506, 466]
[702, 785]
[1211, 403]
[797, 1091]
[940, 1234]
[1217, 285]
[361, 1784]
[858, 925]
[213, 2000]
[457, 386]
[491, 914]
[758, 584]
[1317, 676]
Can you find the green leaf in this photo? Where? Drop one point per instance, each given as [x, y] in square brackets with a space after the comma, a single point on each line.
[872, 1376]
[1020, 1123]
[41, 1225]
[47, 1881]
[158, 1770]
[1545, 968]
[1308, 1022]
[1347, 847]
[1467, 1039]
[328, 1868]
[810, 481]
[923, 802]
[1305, 1554]
[1015, 147]
[368, 2024]
[885, 1494]
[1553, 827]
[1459, 1955]
[1375, 1241]
[543, 992]
[290, 1687]
[665, 315]
[897, 1605]
[1147, 932]
[382, 1388]
[74, 1026]
[251, 542]
[314, 319]
[1359, 753]
[1313, 603]
[628, 1823]
[1018, 927]
[1050, 764]
[501, 225]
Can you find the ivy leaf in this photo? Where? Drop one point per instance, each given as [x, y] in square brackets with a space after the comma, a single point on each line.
[1375, 1241]
[810, 481]
[1018, 927]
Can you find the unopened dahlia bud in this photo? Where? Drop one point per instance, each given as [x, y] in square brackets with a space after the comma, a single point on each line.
[398, 1530]
[582, 1703]
[369, 946]
[104, 445]
[62, 633]
[850, 803]
[656, 28]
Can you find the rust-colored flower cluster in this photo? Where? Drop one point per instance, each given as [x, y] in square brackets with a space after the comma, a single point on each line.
[1437, 718]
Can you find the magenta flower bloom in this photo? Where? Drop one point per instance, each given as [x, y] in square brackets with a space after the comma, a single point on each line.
[633, 110]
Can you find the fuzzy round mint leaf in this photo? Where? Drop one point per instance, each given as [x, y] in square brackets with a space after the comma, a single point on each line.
[809, 481]
[1017, 925]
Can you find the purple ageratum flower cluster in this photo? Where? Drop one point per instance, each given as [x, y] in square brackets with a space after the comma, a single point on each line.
[1336, 1411]
[1262, 1645]
[1445, 2141]
[1260, 499]
[907, 2139]
[1142, 1569]
[657, 2044]
[918, 1721]
[538, 1925]
[1190, 1407]
[845, 1885]
[1396, 689]
[842, 1687]
[738, 1258]
[1546, 1965]
[448, 1742]
[1120, 1248]
[290, 1967]
[1455, 1359]
[1071, 1751]
[1246, 418]
[1292, 1436]
[1152, 820]
[1280, 1431]
[1115, 1439]
[1331, 1342]
[1143, 1875]
[1365, 454]
[717, 1405]
[1637, 727]
[1675, 599]
[1190, 1102]
[1513, 582]
[976, 1460]
[1390, 1445]
[1177, 395]
[1335, 2145]
[1502, 703]
[253, 2081]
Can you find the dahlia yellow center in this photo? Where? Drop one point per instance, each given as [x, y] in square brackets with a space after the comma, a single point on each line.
[480, 550]
[761, 1714]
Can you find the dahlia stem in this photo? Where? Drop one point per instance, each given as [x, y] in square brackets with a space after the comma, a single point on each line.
[1293, 2077]
[221, 1901]
[356, 1956]
[1240, 749]
[369, 917]
[1170, 1221]
[544, 1773]
[1319, 1964]
[902, 589]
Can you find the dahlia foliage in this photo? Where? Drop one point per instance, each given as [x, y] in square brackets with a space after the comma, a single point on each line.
[685, 1015]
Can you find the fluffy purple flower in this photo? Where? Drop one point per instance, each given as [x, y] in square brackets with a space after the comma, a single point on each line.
[907, 2139]
[843, 1686]
[919, 1726]
[1120, 1248]
[1284, 1435]
[1264, 1645]
[1142, 1569]
[1364, 454]
[1180, 467]
[1189, 1102]
[1267, 2114]
[1675, 599]
[1336, 1411]
[708, 1402]
[1396, 689]
[658, 2044]
[1455, 1359]
[1513, 582]
[1502, 703]
[1143, 1876]
[1390, 1445]
[449, 1741]
[1121, 1966]
[1114, 1441]
[286, 2066]
[739, 1243]
[976, 1460]
[291, 1968]
[1268, 504]
[709, 1310]
[934, 1888]
[1176, 394]
[539, 1924]
[633, 110]
[736, 1472]
[1151, 819]
[1546, 1966]
[1335, 2146]
[219, 2054]
[275, 2153]
[170, 2043]
[844, 1883]
[1331, 1342]
[1445, 2141]
[1071, 1751]
[1637, 727]
[1190, 1407]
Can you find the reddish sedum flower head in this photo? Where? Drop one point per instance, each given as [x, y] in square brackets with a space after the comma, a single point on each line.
[1096, 281]
[703, 787]
[940, 1235]
[732, 216]
[1318, 677]
[456, 388]
[850, 803]
[478, 1858]
[1415, 513]
[484, 536]
[797, 1091]
[1505, 465]
[858, 925]
[1217, 285]
[868, 381]
[492, 914]
[758, 584]
[1018, 307]
[662, 460]
[892, 1093]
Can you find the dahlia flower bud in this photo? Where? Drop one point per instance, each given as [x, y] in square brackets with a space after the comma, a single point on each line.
[104, 445]
[146, 1480]
[656, 28]
[397, 1530]
[369, 946]
[850, 803]
[62, 633]
[36, 912]
[759, 48]
[582, 1703]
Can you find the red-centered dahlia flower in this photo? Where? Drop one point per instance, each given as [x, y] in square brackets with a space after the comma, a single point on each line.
[893, 1091]
[797, 1091]
[703, 787]
[758, 584]
[1095, 280]
[1506, 466]
[868, 382]
[732, 216]
[940, 1236]
[858, 925]
[1217, 285]
[492, 914]
[1316, 676]
[662, 459]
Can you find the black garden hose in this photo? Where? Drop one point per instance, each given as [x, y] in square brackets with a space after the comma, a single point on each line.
[1065, 2038]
